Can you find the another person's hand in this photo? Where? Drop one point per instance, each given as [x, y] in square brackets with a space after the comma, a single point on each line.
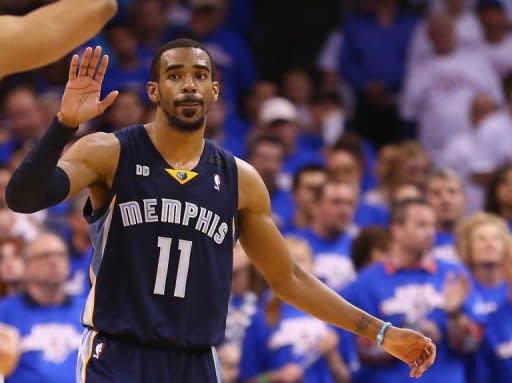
[9, 349]
[416, 350]
[81, 99]
[455, 291]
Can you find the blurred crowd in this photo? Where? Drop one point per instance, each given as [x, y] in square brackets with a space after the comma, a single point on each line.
[383, 132]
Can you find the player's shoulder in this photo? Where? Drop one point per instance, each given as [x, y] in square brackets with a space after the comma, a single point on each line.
[99, 141]
[252, 192]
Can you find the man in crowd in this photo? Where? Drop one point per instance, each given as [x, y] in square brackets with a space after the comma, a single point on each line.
[47, 319]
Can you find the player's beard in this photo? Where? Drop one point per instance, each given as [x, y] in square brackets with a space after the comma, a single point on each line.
[184, 126]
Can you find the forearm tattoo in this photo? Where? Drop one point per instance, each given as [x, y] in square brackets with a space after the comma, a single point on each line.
[362, 325]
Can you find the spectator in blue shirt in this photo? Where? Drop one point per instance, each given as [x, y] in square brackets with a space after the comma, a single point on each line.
[345, 164]
[417, 291]
[130, 71]
[483, 243]
[266, 155]
[497, 345]
[307, 181]
[278, 118]
[445, 194]
[230, 52]
[47, 319]
[284, 344]
[373, 61]
[330, 233]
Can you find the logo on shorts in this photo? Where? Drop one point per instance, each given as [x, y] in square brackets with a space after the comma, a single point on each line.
[100, 347]
[216, 182]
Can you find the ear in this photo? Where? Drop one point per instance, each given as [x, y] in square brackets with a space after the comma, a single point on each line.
[153, 93]
[216, 90]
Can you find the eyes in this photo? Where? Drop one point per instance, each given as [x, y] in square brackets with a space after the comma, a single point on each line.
[174, 76]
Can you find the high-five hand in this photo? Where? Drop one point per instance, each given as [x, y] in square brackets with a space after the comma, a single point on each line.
[81, 99]
[416, 350]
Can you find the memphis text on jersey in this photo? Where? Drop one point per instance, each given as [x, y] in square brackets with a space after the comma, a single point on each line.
[173, 211]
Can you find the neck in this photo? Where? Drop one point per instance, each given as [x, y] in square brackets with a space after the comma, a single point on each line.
[46, 295]
[13, 288]
[324, 232]
[489, 280]
[180, 149]
[446, 226]
[405, 259]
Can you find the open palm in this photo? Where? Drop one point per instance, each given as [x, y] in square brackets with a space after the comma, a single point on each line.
[417, 351]
[81, 99]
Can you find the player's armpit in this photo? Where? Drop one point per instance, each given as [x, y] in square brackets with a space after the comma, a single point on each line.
[49, 32]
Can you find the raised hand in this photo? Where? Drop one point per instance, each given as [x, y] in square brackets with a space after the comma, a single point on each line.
[455, 291]
[81, 99]
[416, 350]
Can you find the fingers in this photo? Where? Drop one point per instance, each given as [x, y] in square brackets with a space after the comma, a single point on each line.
[424, 362]
[86, 60]
[109, 100]
[102, 69]
[73, 67]
[94, 63]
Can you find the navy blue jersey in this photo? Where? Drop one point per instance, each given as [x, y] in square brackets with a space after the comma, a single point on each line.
[163, 244]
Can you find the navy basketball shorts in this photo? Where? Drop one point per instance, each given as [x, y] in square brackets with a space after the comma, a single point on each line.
[102, 359]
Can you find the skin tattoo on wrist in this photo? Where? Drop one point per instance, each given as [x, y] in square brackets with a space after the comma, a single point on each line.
[362, 325]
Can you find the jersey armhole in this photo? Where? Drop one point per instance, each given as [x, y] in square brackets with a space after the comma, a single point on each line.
[92, 215]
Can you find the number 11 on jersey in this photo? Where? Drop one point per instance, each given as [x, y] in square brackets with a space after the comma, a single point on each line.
[185, 248]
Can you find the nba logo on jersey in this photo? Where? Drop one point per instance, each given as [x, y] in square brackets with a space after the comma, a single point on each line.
[216, 182]
[99, 350]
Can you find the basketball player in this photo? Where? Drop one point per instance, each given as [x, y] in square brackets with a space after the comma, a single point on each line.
[49, 32]
[165, 208]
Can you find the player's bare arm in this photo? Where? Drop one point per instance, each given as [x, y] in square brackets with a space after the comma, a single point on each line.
[49, 32]
[90, 163]
[265, 246]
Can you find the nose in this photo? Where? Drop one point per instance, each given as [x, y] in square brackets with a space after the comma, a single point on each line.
[189, 86]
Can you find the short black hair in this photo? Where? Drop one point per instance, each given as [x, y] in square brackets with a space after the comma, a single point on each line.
[400, 209]
[178, 43]
[308, 168]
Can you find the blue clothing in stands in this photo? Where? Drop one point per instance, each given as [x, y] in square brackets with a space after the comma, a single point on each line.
[331, 258]
[282, 208]
[497, 346]
[371, 215]
[293, 340]
[364, 40]
[402, 297]
[444, 247]
[50, 337]
[490, 299]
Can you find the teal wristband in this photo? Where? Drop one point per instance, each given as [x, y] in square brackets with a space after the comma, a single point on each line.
[380, 334]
